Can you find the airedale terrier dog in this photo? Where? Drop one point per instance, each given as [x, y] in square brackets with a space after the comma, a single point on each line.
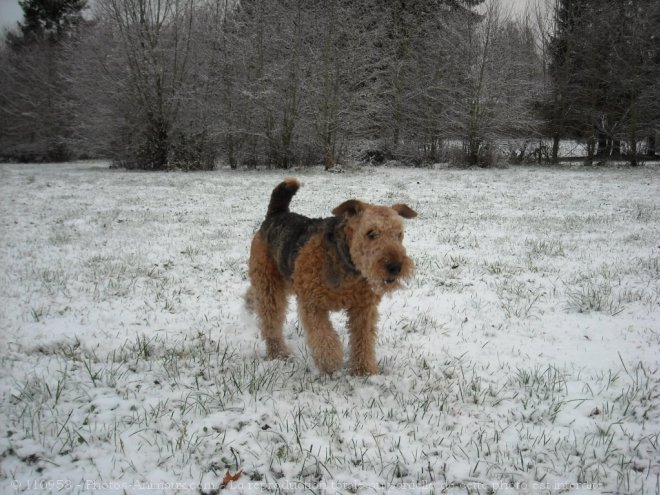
[345, 262]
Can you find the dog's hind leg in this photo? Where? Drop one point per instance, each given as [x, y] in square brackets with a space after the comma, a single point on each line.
[268, 298]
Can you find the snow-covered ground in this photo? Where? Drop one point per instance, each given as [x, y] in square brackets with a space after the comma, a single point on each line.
[522, 357]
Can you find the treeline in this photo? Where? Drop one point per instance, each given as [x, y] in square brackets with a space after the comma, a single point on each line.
[604, 67]
[159, 84]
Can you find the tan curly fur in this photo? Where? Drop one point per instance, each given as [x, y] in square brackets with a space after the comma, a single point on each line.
[346, 262]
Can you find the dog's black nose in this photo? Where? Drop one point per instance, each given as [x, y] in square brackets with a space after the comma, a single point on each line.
[393, 267]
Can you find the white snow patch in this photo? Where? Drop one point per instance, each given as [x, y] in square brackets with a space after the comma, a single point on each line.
[522, 357]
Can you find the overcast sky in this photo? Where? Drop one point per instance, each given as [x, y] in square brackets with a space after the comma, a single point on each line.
[10, 12]
[517, 6]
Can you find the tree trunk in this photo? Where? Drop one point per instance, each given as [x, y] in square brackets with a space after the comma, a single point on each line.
[650, 150]
[633, 135]
[231, 155]
[633, 148]
[328, 159]
[555, 149]
[155, 149]
[591, 148]
[602, 145]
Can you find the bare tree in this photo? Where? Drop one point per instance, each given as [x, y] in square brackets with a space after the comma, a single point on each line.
[502, 79]
[540, 17]
[269, 40]
[138, 74]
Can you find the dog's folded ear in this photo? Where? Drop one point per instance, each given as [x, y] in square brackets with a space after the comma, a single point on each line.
[349, 208]
[404, 210]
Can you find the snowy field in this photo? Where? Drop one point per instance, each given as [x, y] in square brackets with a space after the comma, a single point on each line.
[522, 357]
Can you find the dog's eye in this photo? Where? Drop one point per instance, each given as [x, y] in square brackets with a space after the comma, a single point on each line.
[372, 234]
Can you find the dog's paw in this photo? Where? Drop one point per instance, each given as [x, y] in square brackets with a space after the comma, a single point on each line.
[332, 360]
[277, 350]
[364, 369]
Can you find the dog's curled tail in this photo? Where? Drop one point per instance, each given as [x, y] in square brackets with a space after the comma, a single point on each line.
[281, 197]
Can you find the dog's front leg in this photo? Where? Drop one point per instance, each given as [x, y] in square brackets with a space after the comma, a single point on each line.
[362, 322]
[322, 339]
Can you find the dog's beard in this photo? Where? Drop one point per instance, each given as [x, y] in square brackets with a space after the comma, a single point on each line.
[381, 282]
[389, 286]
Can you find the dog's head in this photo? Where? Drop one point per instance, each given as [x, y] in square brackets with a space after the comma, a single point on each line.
[375, 240]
